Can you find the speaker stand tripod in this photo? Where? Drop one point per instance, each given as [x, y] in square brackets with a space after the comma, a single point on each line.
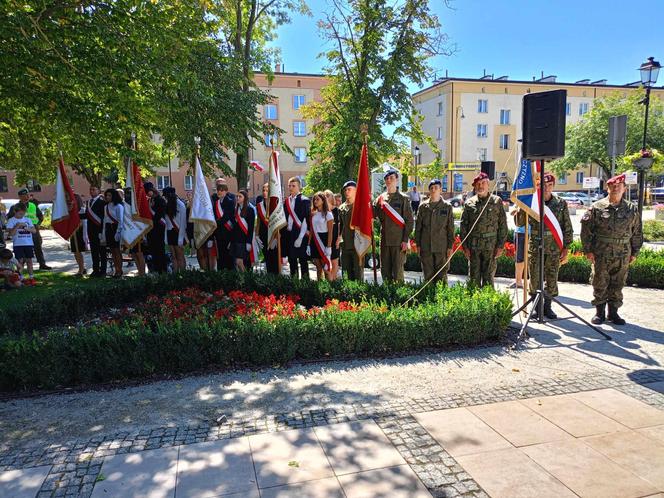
[537, 299]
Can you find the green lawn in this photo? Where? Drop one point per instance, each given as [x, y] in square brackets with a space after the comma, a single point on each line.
[47, 283]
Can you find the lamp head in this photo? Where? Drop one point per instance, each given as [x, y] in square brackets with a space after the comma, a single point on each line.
[649, 71]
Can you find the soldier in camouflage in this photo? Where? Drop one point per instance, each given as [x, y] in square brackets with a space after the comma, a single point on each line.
[393, 210]
[350, 263]
[553, 255]
[612, 238]
[486, 239]
[434, 233]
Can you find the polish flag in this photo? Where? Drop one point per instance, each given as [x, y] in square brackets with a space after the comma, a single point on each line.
[65, 207]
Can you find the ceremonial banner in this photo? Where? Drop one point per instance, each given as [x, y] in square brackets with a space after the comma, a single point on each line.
[138, 218]
[362, 218]
[525, 194]
[65, 208]
[201, 215]
[133, 229]
[277, 218]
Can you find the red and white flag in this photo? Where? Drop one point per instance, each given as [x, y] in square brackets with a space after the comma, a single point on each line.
[140, 205]
[362, 218]
[257, 166]
[550, 219]
[65, 207]
[277, 218]
[202, 215]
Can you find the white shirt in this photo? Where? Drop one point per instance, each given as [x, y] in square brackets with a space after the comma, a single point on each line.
[319, 222]
[21, 237]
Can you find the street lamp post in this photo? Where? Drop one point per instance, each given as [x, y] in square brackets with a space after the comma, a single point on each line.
[416, 155]
[649, 71]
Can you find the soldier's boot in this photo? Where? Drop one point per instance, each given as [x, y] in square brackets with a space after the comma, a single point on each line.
[600, 314]
[548, 312]
[614, 316]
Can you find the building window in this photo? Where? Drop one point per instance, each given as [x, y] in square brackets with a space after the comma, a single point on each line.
[270, 111]
[562, 179]
[439, 134]
[4, 186]
[504, 141]
[568, 109]
[33, 186]
[482, 105]
[505, 116]
[583, 108]
[481, 130]
[579, 177]
[458, 182]
[444, 180]
[189, 182]
[163, 181]
[299, 128]
[298, 101]
[300, 154]
[440, 108]
[481, 154]
[271, 138]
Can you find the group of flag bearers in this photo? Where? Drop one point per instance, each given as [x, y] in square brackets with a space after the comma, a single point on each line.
[295, 229]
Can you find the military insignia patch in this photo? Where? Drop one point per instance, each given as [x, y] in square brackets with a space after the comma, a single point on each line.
[587, 216]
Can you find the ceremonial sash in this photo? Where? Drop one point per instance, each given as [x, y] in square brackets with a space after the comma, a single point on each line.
[262, 214]
[108, 213]
[161, 220]
[391, 212]
[242, 222]
[219, 213]
[173, 224]
[327, 264]
[92, 216]
[291, 212]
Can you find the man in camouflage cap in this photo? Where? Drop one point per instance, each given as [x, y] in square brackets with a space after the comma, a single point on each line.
[393, 210]
[486, 239]
[350, 262]
[612, 238]
[553, 255]
[434, 233]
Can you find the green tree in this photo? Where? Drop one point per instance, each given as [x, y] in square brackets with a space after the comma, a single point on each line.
[585, 141]
[376, 49]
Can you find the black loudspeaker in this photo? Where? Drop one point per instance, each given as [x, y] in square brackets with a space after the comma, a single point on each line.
[544, 125]
[489, 167]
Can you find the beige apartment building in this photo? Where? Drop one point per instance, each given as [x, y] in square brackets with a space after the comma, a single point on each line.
[289, 91]
[474, 120]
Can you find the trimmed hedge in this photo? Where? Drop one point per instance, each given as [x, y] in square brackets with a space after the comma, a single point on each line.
[66, 357]
[68, 306]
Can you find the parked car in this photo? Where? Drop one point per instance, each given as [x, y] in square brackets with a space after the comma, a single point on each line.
[657, 194]
[575, 198]
[456, 201]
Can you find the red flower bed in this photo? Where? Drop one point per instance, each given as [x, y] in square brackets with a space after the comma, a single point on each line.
[193, 303]
[510, 248]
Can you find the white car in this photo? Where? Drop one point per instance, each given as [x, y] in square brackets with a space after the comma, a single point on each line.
[575, 198]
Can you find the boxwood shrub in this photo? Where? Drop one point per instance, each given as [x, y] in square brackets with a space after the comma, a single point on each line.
[86, 355]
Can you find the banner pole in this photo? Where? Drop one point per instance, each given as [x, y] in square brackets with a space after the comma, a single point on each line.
[526, 276]
[364, 129]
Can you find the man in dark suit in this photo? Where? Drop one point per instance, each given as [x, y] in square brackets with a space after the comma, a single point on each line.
[223, 205]
[94, 213]
[156, 236]
[298, 208]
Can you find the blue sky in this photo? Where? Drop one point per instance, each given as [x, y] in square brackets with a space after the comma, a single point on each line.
[595, 39]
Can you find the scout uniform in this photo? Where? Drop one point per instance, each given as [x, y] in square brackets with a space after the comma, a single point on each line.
[396, 222]
[350, 262]
[551, 250]
[488, 234]
[434, 235]
[612, 233]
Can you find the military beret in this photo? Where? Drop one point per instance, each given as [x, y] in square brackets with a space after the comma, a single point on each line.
[23, 191]
[389, 172]
[349, 183]
[616, 179]
[549, 178]
[147, 186]
[480, 177]
[435, 181]
[169, 190]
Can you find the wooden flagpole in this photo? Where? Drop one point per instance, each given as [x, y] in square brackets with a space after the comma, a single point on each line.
[267, 210]
[364, 130]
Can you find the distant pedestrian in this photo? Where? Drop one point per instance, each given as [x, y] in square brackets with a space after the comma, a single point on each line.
[414, 200]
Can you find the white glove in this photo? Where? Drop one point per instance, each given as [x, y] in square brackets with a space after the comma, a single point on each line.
[328, 252]
[118, 236]
[273, 244]
[259, 243]
[248, 246]
[298, 242]
[309, 251]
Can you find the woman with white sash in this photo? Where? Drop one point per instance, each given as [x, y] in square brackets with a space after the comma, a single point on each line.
[176, 228]
[111, 235]
[242, 236]
[320, 240]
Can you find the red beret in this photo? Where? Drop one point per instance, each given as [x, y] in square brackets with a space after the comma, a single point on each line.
[480, 177]
[616, 179]
[548, 178]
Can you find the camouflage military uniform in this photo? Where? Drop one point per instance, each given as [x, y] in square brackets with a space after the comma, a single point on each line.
[612, 234]
[488, 235]
[434, 235]
[551, 251]
[392, 235]
[350, 263]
